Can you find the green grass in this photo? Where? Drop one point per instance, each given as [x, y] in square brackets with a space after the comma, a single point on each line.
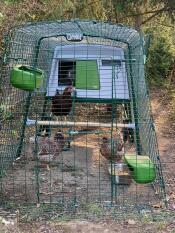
[95, 209]
[161, 226]
[62, 218]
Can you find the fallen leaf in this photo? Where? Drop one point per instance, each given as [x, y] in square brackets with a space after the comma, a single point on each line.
[7, 222]
[33, 17]
[38, 205]
[131, 222]
[157, 206]
[168, 198]
[172, 195]
[172, 206]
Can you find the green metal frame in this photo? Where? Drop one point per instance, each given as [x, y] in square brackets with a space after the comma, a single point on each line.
[133, 102]
[135, 110]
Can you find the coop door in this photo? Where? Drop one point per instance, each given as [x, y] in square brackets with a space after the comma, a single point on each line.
[87, 76]
[83, 74]
[66, 72]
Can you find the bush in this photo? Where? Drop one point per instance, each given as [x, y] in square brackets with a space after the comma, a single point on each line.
[160, 60]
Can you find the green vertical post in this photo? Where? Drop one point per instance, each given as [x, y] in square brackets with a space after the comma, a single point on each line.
[135, 110]
[36, 145]
[26, 110]
[112, 144]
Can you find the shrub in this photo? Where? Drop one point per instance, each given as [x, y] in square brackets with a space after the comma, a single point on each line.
[160, 60]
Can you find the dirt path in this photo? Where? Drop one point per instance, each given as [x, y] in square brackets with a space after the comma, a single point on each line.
[161, 105]
[76, 226]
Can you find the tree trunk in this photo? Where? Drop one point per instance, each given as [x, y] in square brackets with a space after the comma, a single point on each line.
[138, 22]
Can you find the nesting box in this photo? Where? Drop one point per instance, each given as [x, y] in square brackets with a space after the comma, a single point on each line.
[26, 77]
[141, 167]
[97, 71]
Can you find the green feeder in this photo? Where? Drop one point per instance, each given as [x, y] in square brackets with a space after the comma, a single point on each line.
[141, 167]
[26, 77]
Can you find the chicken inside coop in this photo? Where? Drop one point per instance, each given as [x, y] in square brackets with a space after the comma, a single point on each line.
[66, 73]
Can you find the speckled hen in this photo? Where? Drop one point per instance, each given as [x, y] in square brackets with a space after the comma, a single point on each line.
[112, 148]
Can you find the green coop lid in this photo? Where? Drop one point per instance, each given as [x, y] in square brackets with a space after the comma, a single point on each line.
[87, 76]
[141, 167]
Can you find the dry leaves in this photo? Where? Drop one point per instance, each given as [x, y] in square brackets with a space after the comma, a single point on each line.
[157, 206]
[131, 222]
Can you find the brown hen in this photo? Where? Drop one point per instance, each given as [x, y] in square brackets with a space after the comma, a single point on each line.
[50, 148]
[112, 148]
[62, 104]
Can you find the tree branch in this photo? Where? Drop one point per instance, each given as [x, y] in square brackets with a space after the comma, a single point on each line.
[157, 13]
[165, 8]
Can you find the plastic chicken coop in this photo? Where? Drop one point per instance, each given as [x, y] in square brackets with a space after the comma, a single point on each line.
[104, 65]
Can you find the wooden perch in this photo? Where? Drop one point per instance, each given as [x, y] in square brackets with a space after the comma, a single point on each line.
[84, 124]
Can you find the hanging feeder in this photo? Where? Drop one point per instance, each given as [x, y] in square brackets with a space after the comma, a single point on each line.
[141, 168]
[26, 77]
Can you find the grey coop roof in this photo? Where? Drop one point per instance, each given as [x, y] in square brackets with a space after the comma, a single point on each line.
[104, 30]
[33, 42]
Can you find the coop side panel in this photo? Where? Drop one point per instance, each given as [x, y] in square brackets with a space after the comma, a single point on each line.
[147, 134]
[19, 50]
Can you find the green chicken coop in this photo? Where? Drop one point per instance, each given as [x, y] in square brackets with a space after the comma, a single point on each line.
[104, 63]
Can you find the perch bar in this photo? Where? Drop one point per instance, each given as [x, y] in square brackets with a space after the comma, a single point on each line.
[85, 124]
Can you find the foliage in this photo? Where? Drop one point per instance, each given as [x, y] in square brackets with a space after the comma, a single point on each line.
[160, 59]
[141, 14]
[95, 209]
[4, 113]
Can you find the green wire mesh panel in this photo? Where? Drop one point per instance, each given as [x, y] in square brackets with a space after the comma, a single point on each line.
[75, 158]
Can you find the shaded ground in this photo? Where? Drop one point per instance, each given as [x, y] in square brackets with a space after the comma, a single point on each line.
[161, 107]
[80, 173]
[76, 226]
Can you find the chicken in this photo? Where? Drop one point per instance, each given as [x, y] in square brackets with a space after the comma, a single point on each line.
[128, 134]
[70, 77]
[112, 148]
[45, 130]
[62, 104]
[59, 139]
[111, 109]
[50, 148]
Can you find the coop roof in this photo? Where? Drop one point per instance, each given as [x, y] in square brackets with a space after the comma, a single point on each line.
[94, 29]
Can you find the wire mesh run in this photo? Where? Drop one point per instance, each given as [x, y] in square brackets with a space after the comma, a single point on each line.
[76, 121]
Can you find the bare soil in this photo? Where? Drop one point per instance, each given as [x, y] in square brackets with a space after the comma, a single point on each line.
[80, 173]
[165, 128]
[92, 162]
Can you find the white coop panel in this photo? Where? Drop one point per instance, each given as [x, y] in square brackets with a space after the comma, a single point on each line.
[111, 71]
